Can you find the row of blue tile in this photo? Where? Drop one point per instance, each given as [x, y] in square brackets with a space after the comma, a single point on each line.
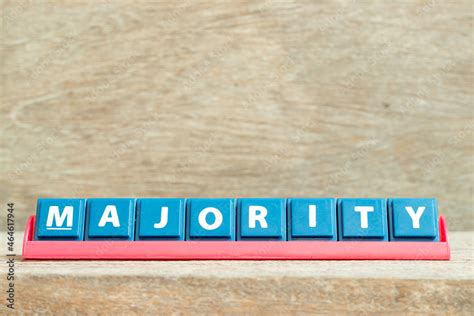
[398, 219]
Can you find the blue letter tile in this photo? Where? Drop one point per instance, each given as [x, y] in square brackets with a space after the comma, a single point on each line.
[413, 219]
[363, 219]
[262, 218]
[312, 219]
[160, 219]
[110, 219]
[60, 219]
[211, 219]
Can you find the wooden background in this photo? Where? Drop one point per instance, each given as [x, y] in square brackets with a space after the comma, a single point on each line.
[270, 98]
[259, 98]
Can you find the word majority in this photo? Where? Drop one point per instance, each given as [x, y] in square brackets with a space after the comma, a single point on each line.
[227, 219]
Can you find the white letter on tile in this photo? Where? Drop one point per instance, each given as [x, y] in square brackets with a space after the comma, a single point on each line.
[260, 217]
[217, 218]
[164, 218]
[109, 216]
[415, 217]
[53, 214]
[312, 216]
[363, 210]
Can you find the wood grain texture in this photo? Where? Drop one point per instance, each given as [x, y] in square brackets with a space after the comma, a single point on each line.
[252, 287]
[270, 98]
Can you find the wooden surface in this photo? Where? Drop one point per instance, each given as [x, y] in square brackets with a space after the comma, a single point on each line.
[272, 98]
[249, 287]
